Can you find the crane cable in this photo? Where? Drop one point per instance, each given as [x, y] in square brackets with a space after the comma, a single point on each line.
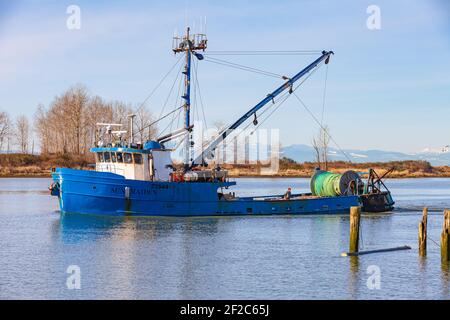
[264, 52]
[306, 108]
[324, 94]
[326, 131]
[293, 89]
[284, 96]
[243, 67]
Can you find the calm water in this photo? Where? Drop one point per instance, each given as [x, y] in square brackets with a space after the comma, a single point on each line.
[277, 257]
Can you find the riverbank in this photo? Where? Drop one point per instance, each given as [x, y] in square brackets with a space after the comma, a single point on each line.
[402, 169]
[26, 165]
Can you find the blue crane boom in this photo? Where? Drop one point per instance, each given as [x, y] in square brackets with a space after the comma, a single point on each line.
[209, 151]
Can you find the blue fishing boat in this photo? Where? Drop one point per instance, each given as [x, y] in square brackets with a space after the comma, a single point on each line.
[140, 178]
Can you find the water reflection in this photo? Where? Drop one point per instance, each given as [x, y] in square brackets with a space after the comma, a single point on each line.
[131, 228]
[445, 268]
[354, 276]
[276, 257]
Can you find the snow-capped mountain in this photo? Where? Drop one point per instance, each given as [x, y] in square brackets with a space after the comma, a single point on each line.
[302, 153]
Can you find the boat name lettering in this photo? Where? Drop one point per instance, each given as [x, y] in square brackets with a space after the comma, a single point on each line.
[150, 190]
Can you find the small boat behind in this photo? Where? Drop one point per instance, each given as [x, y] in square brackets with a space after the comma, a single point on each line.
[377, 197]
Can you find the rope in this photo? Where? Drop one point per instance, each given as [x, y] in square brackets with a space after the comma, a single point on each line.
[434, 242]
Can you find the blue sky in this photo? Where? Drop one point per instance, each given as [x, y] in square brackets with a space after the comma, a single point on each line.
[387, 89]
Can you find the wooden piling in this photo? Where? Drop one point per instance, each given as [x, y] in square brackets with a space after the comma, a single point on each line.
[355, 217]
[423, 233]
[445, 248]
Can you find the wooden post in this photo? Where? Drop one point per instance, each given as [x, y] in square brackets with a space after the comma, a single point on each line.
[423, 233]
[355, 214]
[445, 248]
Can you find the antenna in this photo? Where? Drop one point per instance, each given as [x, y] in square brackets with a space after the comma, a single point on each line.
[186, 13]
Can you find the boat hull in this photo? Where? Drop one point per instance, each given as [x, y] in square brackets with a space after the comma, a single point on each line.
[103, 193]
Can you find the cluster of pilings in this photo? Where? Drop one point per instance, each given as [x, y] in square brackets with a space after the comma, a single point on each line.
[445, 248]
[355, 218]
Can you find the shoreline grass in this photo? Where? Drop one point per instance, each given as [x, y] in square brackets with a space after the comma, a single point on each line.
[39, 166]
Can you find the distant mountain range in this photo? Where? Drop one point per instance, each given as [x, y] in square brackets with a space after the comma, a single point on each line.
[302, 153]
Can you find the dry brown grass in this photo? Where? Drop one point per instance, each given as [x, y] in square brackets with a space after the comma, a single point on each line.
[40, 165]
[402, 169]
[23, 165]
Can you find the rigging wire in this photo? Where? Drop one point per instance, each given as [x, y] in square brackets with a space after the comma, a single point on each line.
[307, 109]
[161, 118]
[288, 95]
[200, 95]
[178, 101]
[194, 100]
[244, 68]
[173, 117]
[326, 131]
[324, 94]
[170, 92]
[264, 52]
[285, 94]
[158, 85]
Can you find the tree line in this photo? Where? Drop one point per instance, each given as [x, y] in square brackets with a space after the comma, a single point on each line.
[68, 123]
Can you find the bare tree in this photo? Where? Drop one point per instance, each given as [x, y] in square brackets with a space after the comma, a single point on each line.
[5, 128]
[41, 128]
[320, 144]
[316, 146]
[68, 125]
[75, 103]
[22, 133]
[144, 131]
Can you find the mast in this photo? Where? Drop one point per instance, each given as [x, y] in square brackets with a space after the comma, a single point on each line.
[188, 44]
[209, 151]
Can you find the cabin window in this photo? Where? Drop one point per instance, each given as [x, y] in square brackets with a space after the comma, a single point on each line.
[119, 157]
[113, 157]
[107, 156]
[138, 158]
[127, 158]
[100, 157]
